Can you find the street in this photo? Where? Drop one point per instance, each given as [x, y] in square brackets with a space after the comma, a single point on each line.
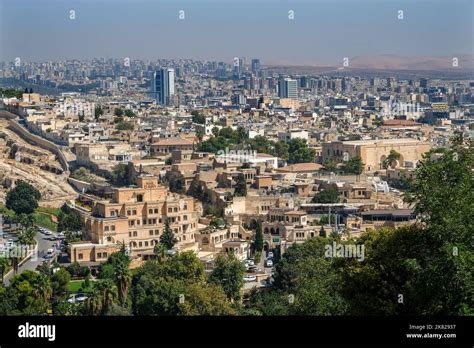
[44, 242]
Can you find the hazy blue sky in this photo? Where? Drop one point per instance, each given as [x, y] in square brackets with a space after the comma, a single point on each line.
[322, 32]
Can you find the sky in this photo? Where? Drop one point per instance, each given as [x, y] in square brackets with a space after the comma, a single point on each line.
[322, 31]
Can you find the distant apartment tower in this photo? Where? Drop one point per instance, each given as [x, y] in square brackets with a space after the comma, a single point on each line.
[162, 86]
[288, 88]
[238, 69]
[256, 66]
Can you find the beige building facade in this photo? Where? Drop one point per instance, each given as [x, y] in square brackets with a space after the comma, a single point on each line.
[374, 152]
[135, 218]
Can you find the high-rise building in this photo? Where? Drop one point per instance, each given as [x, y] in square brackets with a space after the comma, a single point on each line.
[288, 88]
[162, 86]
[256, 66]
[238, 69]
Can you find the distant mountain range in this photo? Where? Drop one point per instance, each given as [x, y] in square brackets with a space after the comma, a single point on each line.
[393, 62]
[390, 62]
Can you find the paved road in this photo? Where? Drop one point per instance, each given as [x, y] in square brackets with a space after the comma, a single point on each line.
[266, 270]
[44, 243]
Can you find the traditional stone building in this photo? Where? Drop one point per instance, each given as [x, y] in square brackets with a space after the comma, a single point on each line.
[135, 217]
[374, 152]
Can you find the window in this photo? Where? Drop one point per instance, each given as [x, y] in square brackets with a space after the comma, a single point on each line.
[134, 233]
[112, 227]
[156, 211]
[134, 212]
[104, 254]
[99, 255]
[139, 198]
[185, 207]
[157, 232]
[129, 212]
[175, 210]
[185, 217]
[150, 232]
[79, 256]
[106, 228]
[139, 244]
[170, 210]
[146, 244]
[150, 211]
[129, 234]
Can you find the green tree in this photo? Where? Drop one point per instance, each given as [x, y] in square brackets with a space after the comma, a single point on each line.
[27, 236]
[124, 126]
[195, 190]
[354, 165]
[108, 294]
[121, 175]
[198, 117]
[59, 283]
[69, 220]
[311, 278]
[240, 186]
[117, 269]
[43, 288]
[205, 299]
[129, 113]
[330, 166]
[23, 198]
[391, 159]
[281, 149]
[98, 112]
[199, 134]
[167, 238]
[27, 288]
[326, 196]
[4, 263]
[299, 152]
[442, 192]
[258, 243]
[229, 273]
[159, 285]
[94, 302]
[118, 112]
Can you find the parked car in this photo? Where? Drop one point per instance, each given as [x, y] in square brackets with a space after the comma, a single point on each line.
[270, 254]
[250, 263]
[269, 263]
[81, 298]
[250, 278]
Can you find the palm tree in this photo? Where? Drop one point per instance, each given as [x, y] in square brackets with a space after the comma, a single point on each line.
[123, 279]
[94, 302]
[42, 288]
[4, 262]
[108, 293]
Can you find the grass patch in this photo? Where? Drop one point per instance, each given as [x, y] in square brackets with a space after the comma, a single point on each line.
[44, 220]
[76, 286]
[50, 211]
